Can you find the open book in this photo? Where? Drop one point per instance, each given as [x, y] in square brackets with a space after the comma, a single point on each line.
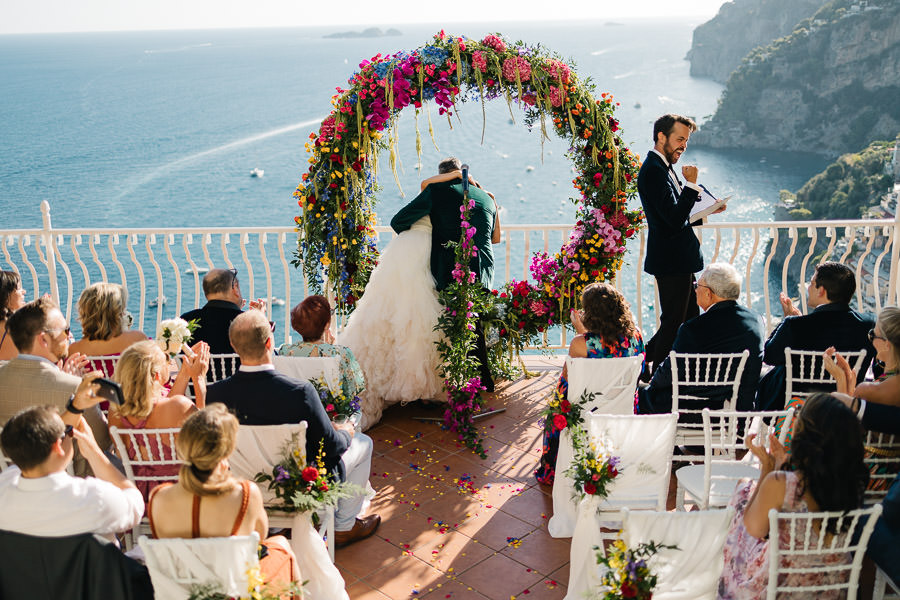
[706, 204]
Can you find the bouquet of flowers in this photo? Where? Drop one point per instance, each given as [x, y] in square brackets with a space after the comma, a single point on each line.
[627, 574]
[257, 589]
[591, 469]
[305, 487]
[173, 334]
[335, 403]
[561, 413]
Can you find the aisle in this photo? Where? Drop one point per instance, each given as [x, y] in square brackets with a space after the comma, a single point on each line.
[455, 526]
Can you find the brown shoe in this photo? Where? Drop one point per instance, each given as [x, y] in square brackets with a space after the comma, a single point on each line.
[361, 529]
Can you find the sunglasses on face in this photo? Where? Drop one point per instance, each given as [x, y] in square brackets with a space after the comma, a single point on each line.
[54, 332]
[874, 336]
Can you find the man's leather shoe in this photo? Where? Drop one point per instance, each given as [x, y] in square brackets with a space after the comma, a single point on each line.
[361, 529]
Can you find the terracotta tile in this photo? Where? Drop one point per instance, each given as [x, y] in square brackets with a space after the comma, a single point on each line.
[349, 578]
[518, 465]
[560, 575]
[453, 552]
[450, 507]
[531, 505]
[540, 551]
[385, 438]
[446, 439]
[543, 590]
[453, 590]
[402, 578]
[366, 556]
[363, 591]
[499, 577]
[454, 466]
[492, 527]
[495, 490]
[409, 531]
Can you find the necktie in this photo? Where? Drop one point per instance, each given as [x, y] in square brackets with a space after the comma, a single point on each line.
[675, 178]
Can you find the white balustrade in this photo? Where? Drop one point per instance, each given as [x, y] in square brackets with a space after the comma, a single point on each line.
[166, 265]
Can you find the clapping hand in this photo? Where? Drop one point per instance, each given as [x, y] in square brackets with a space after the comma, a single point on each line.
[769, 460]
[75, 364]
[787, 305]
[840, 369]
[259, 304]
[576, 317]
[196, 360]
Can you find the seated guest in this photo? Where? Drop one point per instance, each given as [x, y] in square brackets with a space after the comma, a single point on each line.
[724, 327]
[105, 322]
[142, 372]
[605, 329]
[223, 303]
[12, 298]
[260, 396]
[831, 323]
[208, 502]
[884, 545]
[41, 335]
[312, 320]
[37, 495]
[885, 337]
[824, 472]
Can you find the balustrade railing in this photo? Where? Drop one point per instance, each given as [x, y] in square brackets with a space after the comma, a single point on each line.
[162, 268]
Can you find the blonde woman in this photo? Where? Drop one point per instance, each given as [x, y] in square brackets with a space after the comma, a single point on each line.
[142, 372]
[105, 324]
[208, 502]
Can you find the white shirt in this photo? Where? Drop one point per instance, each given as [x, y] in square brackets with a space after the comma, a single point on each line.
[672, 174]
[60, 505]
[256, 368]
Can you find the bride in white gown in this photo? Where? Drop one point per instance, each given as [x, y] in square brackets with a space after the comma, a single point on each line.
[391, 331]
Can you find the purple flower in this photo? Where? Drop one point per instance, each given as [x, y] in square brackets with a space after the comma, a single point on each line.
[281, 473]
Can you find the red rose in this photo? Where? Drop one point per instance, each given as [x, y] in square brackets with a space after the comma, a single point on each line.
[329, 408]
[324, 487]
[310, 474]
[629, 590]
[611, 471]
[565, 405]
[521, 324]
[502, 332]
[495, 292]
[560, 422]
[590, 489]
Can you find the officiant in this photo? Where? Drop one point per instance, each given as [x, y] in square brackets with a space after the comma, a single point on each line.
[673, 250]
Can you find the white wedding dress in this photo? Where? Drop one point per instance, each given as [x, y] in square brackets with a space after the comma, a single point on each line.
[391, 331]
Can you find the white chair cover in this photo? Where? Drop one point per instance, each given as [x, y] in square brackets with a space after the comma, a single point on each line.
[310, 368]
[644, 446]
[175, 564]
[692, 572]
[614, 381]
[259, 448]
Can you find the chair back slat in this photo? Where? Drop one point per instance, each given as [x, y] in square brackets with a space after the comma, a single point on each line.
[222, 366]
[804, 368]
[105, 364]
[804, 557]
[882, 457]
[143, 450]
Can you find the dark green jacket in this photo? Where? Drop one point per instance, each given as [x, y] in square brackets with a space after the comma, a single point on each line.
[442, 201]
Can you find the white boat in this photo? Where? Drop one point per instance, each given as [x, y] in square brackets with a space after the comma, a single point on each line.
[200, 270]
[277, 302]
[257, 172]
[157, 301]
[529, 168]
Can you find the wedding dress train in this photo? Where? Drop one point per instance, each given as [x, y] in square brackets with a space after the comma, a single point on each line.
[391, 331]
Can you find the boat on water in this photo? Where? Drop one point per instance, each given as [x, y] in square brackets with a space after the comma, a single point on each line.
[200, 270]
[157, 301]
[277, 302]
[257, 172]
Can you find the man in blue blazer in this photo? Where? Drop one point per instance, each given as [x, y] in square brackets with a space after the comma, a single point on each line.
[258, 395]
[673, 251]
[724, 327]
[831, 323]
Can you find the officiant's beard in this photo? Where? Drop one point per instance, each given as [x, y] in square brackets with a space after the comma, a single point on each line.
[672, 152]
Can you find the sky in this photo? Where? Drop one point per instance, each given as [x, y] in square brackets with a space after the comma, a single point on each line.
[44, 16]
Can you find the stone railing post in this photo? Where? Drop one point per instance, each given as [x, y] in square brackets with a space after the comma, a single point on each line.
[50, 247]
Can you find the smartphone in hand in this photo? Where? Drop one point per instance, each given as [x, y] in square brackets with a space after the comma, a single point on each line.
[110, 391]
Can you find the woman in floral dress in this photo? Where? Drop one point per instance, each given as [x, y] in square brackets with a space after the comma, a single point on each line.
[605, 329]
[824, 472]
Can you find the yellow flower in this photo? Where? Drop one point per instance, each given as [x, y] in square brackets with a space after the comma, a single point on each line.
[325, 261]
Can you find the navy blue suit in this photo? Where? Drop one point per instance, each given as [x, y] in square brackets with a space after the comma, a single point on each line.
[214, 318]
[828, 325]
[270, 398]
[725, 327]
[884, 545]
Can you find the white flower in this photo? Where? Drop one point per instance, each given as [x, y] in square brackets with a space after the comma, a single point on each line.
[172, 334]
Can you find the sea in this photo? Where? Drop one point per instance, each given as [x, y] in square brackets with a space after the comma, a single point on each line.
[162, 128]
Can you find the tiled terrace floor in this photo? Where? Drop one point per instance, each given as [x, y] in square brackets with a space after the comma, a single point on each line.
[453, 525]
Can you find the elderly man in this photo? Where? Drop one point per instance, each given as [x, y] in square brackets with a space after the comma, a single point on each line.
[41, 335]
[724, 327]
[37, 495]
[831, 323]
[223, 303]
[260, 396]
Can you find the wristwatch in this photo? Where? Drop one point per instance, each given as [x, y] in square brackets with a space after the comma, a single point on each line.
[70, 406]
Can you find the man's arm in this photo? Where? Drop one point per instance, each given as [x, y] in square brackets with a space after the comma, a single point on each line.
[412, 212]
[773, 351]
[654, 188]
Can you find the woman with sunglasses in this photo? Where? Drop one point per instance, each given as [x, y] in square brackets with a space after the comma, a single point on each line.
[143, 372]
[885, 338]
[12, 298]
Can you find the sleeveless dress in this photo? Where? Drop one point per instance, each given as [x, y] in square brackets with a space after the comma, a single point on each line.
[746, 572]
[391, 332]
[277, 564]
[596, 348]
[156, 450]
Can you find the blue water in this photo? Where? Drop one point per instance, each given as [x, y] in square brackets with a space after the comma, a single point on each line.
[162, 128]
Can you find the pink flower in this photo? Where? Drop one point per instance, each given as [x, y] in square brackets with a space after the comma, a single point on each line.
[559, 71]
[516, 64]
[492, 41]
[556, 96]
[538, 308]
[479, 61]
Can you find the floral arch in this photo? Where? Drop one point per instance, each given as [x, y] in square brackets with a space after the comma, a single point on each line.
[337, 195]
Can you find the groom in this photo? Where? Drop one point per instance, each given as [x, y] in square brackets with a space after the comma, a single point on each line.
[442, 201]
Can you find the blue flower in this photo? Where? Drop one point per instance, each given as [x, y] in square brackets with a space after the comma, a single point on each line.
[433, 55]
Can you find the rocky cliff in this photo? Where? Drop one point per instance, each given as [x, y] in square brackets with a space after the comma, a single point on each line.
[721, 43]
[831, 86]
